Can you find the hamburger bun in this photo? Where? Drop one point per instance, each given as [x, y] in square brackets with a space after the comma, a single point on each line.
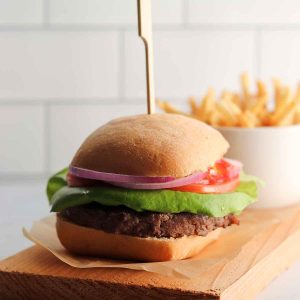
[88, 241]
[151, 145]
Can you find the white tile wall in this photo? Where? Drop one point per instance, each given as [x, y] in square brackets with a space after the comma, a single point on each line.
[187, 62]
[280, 55]
[55, 64]
[112, 12]
[21, 12]
[243, 12]
[22, 202]
[67, 66]
[22, 139]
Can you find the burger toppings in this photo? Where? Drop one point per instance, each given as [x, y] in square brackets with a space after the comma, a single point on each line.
[136, 182]
[222, 177]
[122, 220]
[62, 196]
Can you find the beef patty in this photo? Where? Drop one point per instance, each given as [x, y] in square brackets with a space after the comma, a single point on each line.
[122, 220]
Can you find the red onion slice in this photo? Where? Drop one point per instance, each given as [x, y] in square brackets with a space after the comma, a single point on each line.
[148, 183]
[117, 178]
[196, 177]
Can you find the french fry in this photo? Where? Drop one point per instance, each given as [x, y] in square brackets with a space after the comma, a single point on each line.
[228, 117]
[168, 108]
[297, 116]
[286, 97]
[245, 84]
[247, 119]
[261, 89]
[236, 99]
[264, 118]
[259, 109]
[277, 91]
[207, 105]
[245, 109]
[282, 106]
[286, 94]
[297, 110]
[193, 104]
[285, 116]
[277, 114]
[260, 105]
[214, 118]
[194, 107]
[236, 110]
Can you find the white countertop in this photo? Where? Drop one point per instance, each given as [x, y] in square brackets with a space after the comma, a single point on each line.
[24, 202]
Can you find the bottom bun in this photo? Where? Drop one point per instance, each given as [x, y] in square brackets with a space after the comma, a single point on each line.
[93, 242]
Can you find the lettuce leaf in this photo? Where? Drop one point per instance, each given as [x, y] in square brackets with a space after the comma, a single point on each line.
[166, 201]
[56, 182]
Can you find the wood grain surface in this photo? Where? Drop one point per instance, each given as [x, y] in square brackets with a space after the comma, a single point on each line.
[36, 274]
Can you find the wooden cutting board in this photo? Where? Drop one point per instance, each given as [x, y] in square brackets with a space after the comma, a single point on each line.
[36, 274]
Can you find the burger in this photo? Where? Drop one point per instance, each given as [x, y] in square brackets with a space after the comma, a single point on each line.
[149, 188]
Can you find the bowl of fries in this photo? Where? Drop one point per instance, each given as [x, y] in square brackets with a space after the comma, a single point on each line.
[263, 132]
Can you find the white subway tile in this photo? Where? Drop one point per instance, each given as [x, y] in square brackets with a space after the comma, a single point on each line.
[280, 56]
[58, 64]
[112, 12]
[167, 11]
[246, 11]
[70, 125]
[188, 62]
[22, 202]
[22, 139]
[21, 12]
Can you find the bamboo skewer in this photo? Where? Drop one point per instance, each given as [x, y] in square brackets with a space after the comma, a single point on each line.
[145, 32]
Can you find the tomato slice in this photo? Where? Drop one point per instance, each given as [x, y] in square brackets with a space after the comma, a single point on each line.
[223, 170]
[222, 177]
[225, 187]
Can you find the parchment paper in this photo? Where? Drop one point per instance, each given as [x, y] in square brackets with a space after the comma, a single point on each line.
[256, 231]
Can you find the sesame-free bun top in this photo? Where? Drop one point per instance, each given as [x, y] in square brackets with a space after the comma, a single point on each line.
[151, 145]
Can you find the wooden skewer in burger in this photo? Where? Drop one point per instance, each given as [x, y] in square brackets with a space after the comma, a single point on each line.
[145, 32]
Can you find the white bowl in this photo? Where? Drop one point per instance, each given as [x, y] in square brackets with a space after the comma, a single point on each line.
[273, 154]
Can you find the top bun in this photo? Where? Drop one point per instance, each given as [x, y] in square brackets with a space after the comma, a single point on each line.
[151, 145]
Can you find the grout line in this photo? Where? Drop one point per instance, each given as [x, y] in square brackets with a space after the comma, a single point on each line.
[15, 177]
[46, 137]
[111, 102]
[158, 27]
[46, 13]
[62, 27]
[62, 101]
[122, 63]
[83, 27]
[185, 6]
[241, 26]
[21, 27]
[257, 52]
[219, 27]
